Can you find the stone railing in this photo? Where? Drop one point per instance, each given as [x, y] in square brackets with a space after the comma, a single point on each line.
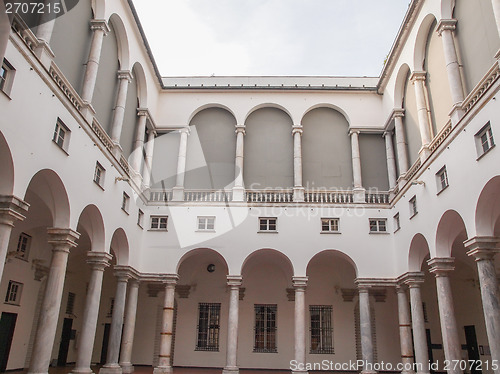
[377, 197]
[413, 170]
[102, 135]
[334, 197]
[65, 86]
[21, 29]
[160, 196]
[208, 195]
[440, 137]
[485, 83]
[125, 165]
[269, 196]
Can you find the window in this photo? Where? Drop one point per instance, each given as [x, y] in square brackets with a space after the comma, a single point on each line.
[484, 139]
[321, 329]
[140, 218]
[159, 222]
[70, 305]
[23, 246]
[268, 224]
[14, 293]
[329, 225]
[111, 307]
[206, 223]
[61, 135]
[265, 328]
[397, 222]
[378, 225]
[413, 206]
[6, 77]
[99, 174]
[125, 202]
[208, 327]
[442, 179]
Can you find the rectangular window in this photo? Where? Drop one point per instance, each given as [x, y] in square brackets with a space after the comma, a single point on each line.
[329, 225]
[397, 222]
[61, 135]
[378, 225]
[265, 328]
[159, 222]
[413, 206]
[208, 327]
[23, 246]
[125, 202]
[111, 307]
[70, 305]
[321, 329]
[442, 179]
[268, 224]
[14, 291]
[99, 173]
[206, 223]
[140, 218]
[484, 139]
[6, 77]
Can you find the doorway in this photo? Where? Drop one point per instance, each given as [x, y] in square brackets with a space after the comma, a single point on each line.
[7, 326]
[472, 348]
[65, 339]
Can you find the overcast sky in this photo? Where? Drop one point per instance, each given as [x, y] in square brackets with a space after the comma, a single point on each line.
[271, 37]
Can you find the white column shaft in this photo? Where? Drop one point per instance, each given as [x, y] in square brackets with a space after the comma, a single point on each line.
[356, 161]
[452, 67]
[365, 327]
[297, 159]
[181, 160]
[300, 326]
[90, 77]
[166, 331]
[423, 112]
[119, 111]
[232, 330]
[496, 12]
[5, 230]
[136, 156]
[239, 160]
[401, 145]
[46, 25]
[419, 335]
[129, 327]
[148, 162]
[391, 162]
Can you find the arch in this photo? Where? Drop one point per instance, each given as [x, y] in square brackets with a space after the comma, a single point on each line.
[49, 188]
[92, 223]
[421, 42]
[450, 226]
[337, 253]
[269, 252]
[447, 7]
[7, 175]
[419, 250]
[119, 245]
[198, 251]
[399, 88]
[269, 105]
[209, 106]
[488, 208]
[99, 8]
[122, 41]
[330, 106]
[142, 87]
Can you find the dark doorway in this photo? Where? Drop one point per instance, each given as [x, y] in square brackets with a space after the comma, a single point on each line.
[65, 339]
[472, 348]
[429, 345]
[7, 325]
[105, 341]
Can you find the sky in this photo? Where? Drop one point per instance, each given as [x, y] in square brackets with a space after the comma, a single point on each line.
[271, 37]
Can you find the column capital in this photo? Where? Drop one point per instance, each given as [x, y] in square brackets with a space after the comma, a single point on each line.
[482, 247]
[99, 24]
[62, 239]
[387, 133]
[418, 76]
[98, 260]
[297, 129]
[124, 74]
[12, 209]
[170, 280]
[354, 132]
[441, 266]
[240, 129]
[124, 273]
[234, 280]
[397, 112]
[143, 112]
[185, 130]
[300, 283]
[412, 279]
[446, 24]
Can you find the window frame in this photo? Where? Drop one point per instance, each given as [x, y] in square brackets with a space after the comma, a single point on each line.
[268, 330]
[125, 202]
[439, 179]
[378, 225]
[397, 222]
[17, 293]
[24, 254]
[159, 224]
[7, 79]
[99, 179]
[490, 140]
[413, 206]
[208, 332]
[330, 230]
[265, 225]
[56, 136]
[206, 223]
[140, 218]
[325, 333]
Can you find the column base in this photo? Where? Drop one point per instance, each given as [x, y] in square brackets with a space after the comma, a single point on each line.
[163, 370]
[117, 150]
[178, 194]
[231, 370]
[456, 113]
[369, 372]
[238, 194]
[88, 113]
[300, 372]
[44, 54]
[127, 368]
[358, 195]
[81, 371]
[424, 153]
[111, 369]
[298, 194]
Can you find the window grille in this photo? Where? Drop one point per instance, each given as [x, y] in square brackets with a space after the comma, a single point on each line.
[208, 327]
[321, 329]
[265, 329]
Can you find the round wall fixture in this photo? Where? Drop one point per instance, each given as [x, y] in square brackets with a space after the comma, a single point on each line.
[211, 268]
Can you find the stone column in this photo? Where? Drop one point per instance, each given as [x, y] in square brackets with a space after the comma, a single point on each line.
[123, 274]
[483, 249]
[300, 283]
[418, 80]
[405, 331]
[97, 261]
[138, 144]
[496, 12]
[44, 34]
[178, 190]
[391, 162]
[441, 267]
[446, 29]
[129, 327]
[100, 29]
[298, 188]
[413, 281]
[238, 189]
[234, 282]
[164, 365]
[401, 145]
[148, 162]
[124, 78]
[359, 191]
[12, 209]
[61, 240]
[365, 327]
